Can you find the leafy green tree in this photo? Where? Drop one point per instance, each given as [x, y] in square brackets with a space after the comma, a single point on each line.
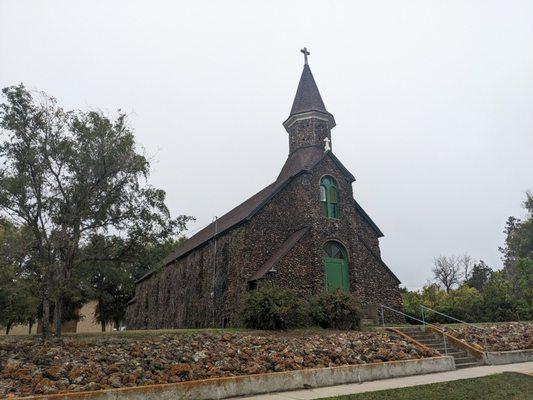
[480, 275]
[18, 302]
[18, 286]
[463, 303]
[519, 240]
[497, 300]
[111, 285]
[411, 304]
[71, 176]
[112, 282]
[22, 178]
[518, 267]
[521, 288]
[433, 296]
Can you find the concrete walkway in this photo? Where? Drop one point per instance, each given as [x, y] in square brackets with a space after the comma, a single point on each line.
[416, 380]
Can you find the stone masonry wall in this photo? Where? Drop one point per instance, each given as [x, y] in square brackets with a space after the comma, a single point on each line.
[302, 268]
[308, 132]
[180, 295]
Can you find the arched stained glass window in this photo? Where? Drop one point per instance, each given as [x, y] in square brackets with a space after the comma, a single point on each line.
[329, 197]
[334, 250]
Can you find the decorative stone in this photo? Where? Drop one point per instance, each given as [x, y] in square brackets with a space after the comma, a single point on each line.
[83, 365]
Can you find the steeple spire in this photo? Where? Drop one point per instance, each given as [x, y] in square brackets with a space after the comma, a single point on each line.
[308, 106]
[307, 95]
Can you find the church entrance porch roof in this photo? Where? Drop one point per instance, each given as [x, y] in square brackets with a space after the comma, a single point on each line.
[291, 241]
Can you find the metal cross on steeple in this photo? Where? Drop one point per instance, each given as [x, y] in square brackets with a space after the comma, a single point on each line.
[306, 53]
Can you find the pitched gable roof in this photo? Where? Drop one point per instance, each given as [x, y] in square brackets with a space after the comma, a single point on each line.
[367, 218]
[378, 259]
[298, 162]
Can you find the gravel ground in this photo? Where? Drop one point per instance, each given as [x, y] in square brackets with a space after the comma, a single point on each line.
[500, 337]
[29, 367]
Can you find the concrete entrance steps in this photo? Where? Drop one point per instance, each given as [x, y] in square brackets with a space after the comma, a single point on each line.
[462, 358]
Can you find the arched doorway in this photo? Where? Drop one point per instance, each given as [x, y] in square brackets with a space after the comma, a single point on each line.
[336, 266]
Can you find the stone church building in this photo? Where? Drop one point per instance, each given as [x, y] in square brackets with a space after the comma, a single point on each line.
[304, 232]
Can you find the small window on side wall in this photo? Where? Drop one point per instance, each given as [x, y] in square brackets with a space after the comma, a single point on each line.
[329, 197]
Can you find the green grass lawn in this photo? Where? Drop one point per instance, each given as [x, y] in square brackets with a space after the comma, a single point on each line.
[506, 386]
[135, 334]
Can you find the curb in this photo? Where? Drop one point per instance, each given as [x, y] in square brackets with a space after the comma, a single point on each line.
[508, 357]
[220, 388]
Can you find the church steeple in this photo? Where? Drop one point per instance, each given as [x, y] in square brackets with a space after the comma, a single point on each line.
[309, 122]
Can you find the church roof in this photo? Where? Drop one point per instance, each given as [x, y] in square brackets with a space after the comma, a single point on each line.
[367, 218]
[298, 162]
[307, 95]
[307, 99]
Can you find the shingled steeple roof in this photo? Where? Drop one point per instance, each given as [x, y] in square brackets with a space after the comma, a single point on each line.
[308, 102]
[307, 95]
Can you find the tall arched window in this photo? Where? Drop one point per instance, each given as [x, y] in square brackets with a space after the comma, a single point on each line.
[329, 197]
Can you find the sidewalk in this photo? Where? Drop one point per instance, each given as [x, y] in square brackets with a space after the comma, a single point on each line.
[416, 380]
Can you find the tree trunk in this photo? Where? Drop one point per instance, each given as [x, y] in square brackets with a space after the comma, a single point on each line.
[58, 311]
[102, 324]
[8, 328]
[62, 282]
[30, 324]
[45, 318]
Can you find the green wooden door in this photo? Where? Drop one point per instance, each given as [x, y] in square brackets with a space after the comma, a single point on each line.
[336, 271]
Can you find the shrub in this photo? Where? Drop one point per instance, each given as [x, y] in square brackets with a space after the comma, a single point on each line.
[411, 305]
[335, 309]
[271, 308]
[463, 303]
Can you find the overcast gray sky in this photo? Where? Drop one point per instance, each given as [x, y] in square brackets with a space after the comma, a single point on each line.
[433, 102]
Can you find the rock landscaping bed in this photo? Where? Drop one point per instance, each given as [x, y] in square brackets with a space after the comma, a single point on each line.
[29, 367]
[500, 337]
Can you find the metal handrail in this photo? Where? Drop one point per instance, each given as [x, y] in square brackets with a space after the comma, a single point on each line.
[405, 315]
[449, 316]
[416, 319]
[422, 307]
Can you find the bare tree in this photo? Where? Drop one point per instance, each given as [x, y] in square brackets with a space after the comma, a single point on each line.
[447, 271]
[466, 263]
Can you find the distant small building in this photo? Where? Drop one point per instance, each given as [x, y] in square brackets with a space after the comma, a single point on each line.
[304, 232]
[85, 324]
